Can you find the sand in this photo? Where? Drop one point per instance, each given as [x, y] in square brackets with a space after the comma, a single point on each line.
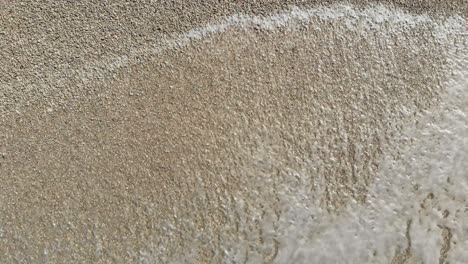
[119, 147]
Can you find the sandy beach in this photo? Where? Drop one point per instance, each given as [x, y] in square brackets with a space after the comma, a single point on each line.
[266, 132]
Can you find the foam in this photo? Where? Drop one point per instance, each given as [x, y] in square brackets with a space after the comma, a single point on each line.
[373, 15]
[393, 216]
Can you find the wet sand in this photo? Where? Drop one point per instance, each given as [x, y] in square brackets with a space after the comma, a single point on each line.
[199, 147]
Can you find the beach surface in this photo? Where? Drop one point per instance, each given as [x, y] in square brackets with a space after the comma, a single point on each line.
[225, 132]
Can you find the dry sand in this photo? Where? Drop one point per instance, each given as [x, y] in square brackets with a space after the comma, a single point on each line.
[187, 153]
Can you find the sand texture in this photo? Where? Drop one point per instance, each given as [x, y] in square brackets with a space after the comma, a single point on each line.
[234, 132]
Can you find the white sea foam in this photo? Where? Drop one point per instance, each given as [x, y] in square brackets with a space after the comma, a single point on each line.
[373, 16]
[433, 169]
